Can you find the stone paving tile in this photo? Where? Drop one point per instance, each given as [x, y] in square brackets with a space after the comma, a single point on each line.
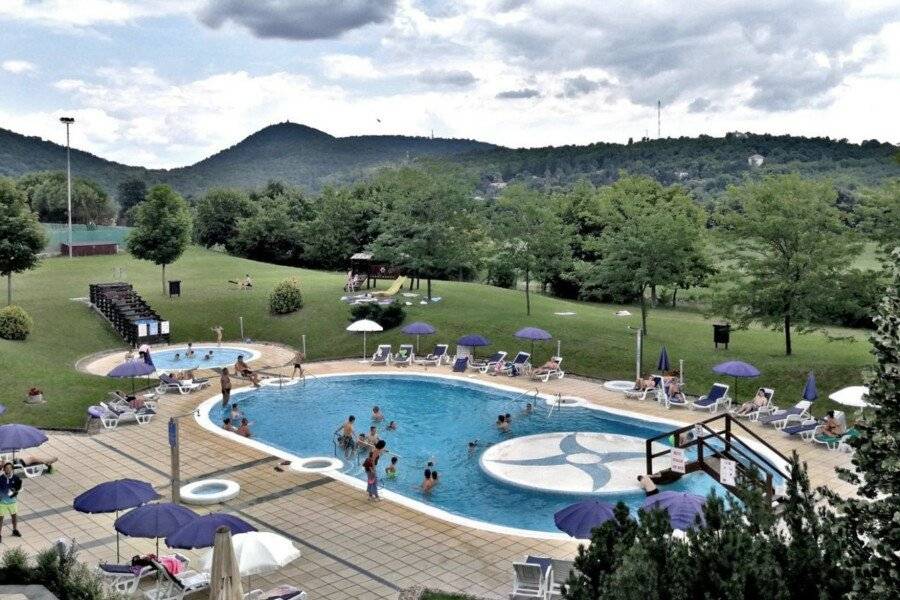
[350, 548]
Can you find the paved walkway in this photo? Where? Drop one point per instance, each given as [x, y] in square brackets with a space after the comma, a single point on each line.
[351, 548]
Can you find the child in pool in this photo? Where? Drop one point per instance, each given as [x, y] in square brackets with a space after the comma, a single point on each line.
[391, 471]
[392, 426]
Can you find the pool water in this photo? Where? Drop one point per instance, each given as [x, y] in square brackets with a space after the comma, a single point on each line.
[436, 420]
[224, 356]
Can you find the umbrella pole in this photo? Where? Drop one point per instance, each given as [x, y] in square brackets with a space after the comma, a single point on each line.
[364, 346]
[117, 540]
[157, 546]
[417, 343]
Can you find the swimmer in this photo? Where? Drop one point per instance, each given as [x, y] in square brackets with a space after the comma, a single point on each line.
[502, 424]
[244, 429]
[528, 409]
[392, 426]
[190, 350]
[473, 447]
[345, 436]
[427, 482]
[226, 424]
[391, 471]
[646, 482]
[207, 356]
[508, 418]
[236, 414]
[372, 438]
[434, 479]
[377, 415]
[177, 356]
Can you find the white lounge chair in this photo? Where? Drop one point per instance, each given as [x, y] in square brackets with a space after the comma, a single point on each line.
[520, 365]
[529, 581]
[663, 397]
[437, 357]
[141, 417]
[758, 412]
[122, 579]
[779, 419]
[282, 592]
[545, 373]
[716, 398]
[404, 356]
[382, 355]
[182, 386]
[558, 576]
[176, 587]
[486, 364]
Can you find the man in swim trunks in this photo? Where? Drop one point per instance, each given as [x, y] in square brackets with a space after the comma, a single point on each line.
[377, 415]
[225, 380]
[345, 436]
[372, 438]
[299, 357]
[650, 488]
[241, 368]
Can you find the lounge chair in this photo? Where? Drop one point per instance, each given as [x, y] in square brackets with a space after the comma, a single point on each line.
[663, 397]
[484, 365]
[843, 444]
[382, 355]
[636, 394]
[460, 364]
[437, 357]
[391, 291]
[520, 365]
[717, 397]
[545, 373]
[806, 429]
[122, 579]
[141, 417]
[404, 356]
[182, 386]
[529, 580]
[558, 577]
[779, 419]
[176, 587]
[282, 592]
[753, 415]
[30, 471]
[832, 441]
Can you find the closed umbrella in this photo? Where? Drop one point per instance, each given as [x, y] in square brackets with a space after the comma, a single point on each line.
[201, 532]
[258, 553]
[809, 390]
[852, 396]
[364, 326]
[473, 340]
[683, 509]
[113, 496]
[14, 436]
[132, 369]
[156, 520]
[736, 369]
[662, 365]
[224, 576]
[532, 334]
[579, 519]
[418, 328]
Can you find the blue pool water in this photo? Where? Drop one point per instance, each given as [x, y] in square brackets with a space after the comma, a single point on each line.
[436, 418]
[164, 360]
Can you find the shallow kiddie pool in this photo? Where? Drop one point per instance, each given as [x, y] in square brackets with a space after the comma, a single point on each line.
[221, 356]
[591, 453]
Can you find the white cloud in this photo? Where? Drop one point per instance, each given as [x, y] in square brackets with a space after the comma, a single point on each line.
[82, 13]
[340, 66]
[17, 66]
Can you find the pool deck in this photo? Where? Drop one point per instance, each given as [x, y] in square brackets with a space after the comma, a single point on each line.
[351, 548]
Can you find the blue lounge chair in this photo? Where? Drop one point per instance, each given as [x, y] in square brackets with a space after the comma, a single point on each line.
[762, 411]
[487, 364]
[438, 356]
[717, 396]
[781, 418]
[404, 356]
[382, 355]
[460, 364]
[806, 429]
[520, 365]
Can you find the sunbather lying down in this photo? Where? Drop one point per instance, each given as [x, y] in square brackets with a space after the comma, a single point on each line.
[550, 365]
[28, 460]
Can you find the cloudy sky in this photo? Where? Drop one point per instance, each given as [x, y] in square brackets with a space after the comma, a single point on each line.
[164, 83]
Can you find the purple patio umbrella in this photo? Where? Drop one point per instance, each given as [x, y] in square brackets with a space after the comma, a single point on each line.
[579, 519]
[418, 328]
[810, 392]
[473, 340]
[113, 496]
[156, 520]
[682, 508]
[736, 369]
[132, 369]
[201, 532]
[14, 436]
[533, 333]
[662, 364]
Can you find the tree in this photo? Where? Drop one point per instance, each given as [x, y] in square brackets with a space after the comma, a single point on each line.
[788, 244]
[343, 225]
[162, 229]
[270, 233]
[869, 522]
[654, 235]
[21, 235]
[879, 212]
[48, 195]
[217, 215]
[129, 193]
[533, 233]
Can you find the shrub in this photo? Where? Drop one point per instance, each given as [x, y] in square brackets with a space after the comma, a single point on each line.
[387, 316]
[15, 324]
[15, 566]
[286, 297]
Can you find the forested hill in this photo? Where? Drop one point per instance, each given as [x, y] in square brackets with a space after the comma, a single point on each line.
[309, 158]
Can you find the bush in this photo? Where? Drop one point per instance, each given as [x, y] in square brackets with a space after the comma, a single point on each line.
[387, 316]
[286, 297]
[15, 324]
[64, 576]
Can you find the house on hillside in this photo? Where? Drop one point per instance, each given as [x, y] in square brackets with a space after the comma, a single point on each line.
[756, 160]
[681, 175]
[497, 185]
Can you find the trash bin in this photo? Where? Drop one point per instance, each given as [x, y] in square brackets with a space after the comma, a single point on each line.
[721, 334]
[175, 288]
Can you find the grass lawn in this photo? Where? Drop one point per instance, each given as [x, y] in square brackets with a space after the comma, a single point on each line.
[594, 341]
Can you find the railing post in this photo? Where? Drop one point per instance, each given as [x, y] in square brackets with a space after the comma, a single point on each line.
[727, 433]
[649, 457]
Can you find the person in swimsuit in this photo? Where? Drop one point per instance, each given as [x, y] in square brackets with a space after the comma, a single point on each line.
[371, 478]
[226, 424]
[650, 488]
[299, 357]
[218, 331]
[377, 415]
[345, 436]
[244, 429]
[502, 424]
[236, 414]
[427, 482]
[225, 380]
[392, 426]
[241, 368]
[372, 438]
[391, 471]
[190, 350]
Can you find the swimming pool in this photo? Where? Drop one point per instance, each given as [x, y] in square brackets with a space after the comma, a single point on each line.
[436, 418]
[222, 356]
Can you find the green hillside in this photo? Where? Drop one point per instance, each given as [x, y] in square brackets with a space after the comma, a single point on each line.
[594, 341]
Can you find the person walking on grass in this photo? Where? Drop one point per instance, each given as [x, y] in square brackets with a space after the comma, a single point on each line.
[225, 380]
[10, 485]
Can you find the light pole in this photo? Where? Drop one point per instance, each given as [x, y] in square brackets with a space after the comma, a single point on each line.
[68, 121]
[638, 350]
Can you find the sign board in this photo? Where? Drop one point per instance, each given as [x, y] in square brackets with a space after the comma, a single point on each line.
[678, 460]
[142, 330]
[164, 327]
[173, 433]
[727, 472]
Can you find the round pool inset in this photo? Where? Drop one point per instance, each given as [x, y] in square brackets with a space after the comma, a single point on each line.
[221, 356]
[209, 491]
[619, 385]
[318, 464]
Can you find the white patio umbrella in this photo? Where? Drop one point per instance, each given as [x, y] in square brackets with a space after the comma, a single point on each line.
[365, 326]
[257, 553]
[851, 396]
[224, 575]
